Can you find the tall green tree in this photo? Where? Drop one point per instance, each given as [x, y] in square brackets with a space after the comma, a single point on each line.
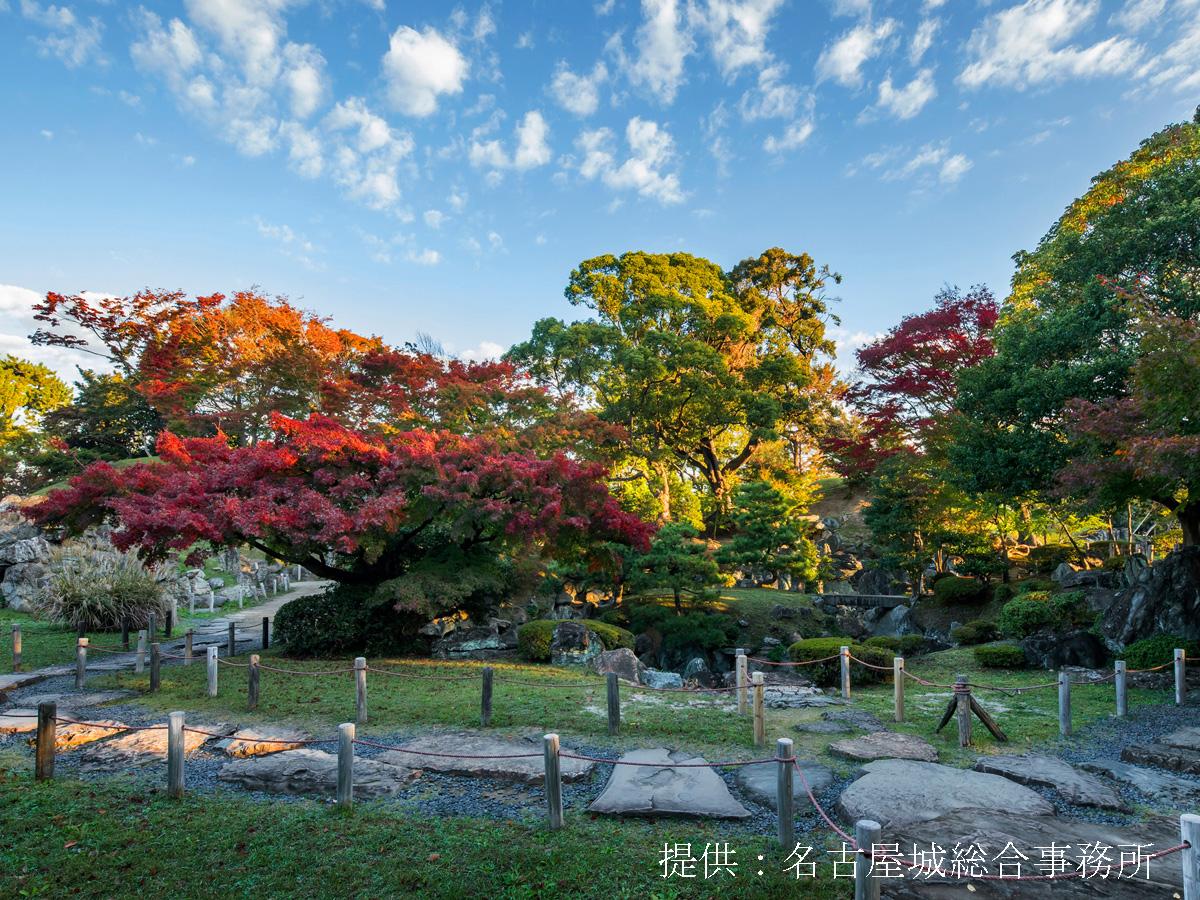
[29, 391]
[770, 539]
[678, 561]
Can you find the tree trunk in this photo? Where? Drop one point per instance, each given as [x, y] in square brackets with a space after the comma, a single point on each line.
[678, 603]
[664, 492]
[1189, 521]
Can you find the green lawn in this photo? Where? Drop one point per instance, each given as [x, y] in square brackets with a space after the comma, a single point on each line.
[43, 643]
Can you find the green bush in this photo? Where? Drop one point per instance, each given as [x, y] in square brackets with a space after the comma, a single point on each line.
[1046, 559]
[1157, 650]
[1036, 584]
[906, 645]
[954, 589]
[1025, 615]
[695, 630]
[828, 673]
[1115, 563]
[534, 638]
[345, 619]
[1000, 656]
[978, 631]
[97, 591]
[1070, 610]
[1002, 593]
[887, 643]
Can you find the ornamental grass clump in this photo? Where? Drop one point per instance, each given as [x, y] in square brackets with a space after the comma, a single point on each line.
[97, 590]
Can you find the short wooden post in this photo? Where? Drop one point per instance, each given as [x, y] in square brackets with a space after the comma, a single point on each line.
[152, 627]
[16, 639]
[155, 667]
[345, 782]
[613, 690]
[962, 695]
[232, 640]
[898, 686]
[266, 641]
[252, 688]
[866, 834]
[80, 631]
[740, 672]
[124, 634]
[844, 655]
[170, 622]
[81, 645]
[139, 665]
[1180, 676]
[1064, 703]
[784, 798]
[212, 671]
[47, 730]
[760, 723]
[360, 690]
[175, 745]
[553, 781]
[1189, 831]
[485, 698]
[1122, 695]
[189, 638]
[191, 604]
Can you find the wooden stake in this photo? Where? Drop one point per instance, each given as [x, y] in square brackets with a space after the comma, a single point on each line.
[175, 745]
[231, 641]
[212, 671]
[962, 698]
[740, 670]
[866, 834]
[553, 782]
[155, 667]
[189, 637]
[485, 697]
[613, 691]
[360, 690]
[988, 721]
[125, 634]
[16, 639]
[345, 783]
[139, 665]
[1180, 676]
[1064, 703]
[1189, 830]
[81, 646]
[47, 729]
[760, 723]
[1122, 693]
[152, 627]
[266, 641]
[898, 686]
[845, 662]
[252, 687]
[170, 622]
[784, 798]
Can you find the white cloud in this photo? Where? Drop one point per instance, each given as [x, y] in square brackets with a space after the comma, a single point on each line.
[424, 257]
[906, 101]
[922, 40]
[793, 136]
[737, 31]
[457, 199]
[1027, 45]
[714, 126]
[47, 134]
[773, 98]
[604, 7]
[851, 7]
[532, 148]
[578, 94]
[17, 323]
[843, 60]
[73, 41]
[304, 77]
[171, 52]
[662, 43]
[930, 5]
[932, 163]
[1177, 66]
[434, 218]
[291, 244]
[129, 99]
[367, 153]
[1137, 14]
[651, 151]
[524, 41]
[419, 67]
[487, 350]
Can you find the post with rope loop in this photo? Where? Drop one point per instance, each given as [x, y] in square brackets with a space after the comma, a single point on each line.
[252, 686]
[784, 797]
[189, 638]
[212, 671]
[1122, 696]
[1180, 676]
[962, 698]
[485, 696]
[760, 722]
[844, 656]
[553, 782]
[866, 834]
[81, 645]
[1064, 703]
[47, 730]
[155, 667]
[1189, 830]
[345, 781]
[175, 747]
[898, 686]
[740, 670]
[612, 692]
[360, 690]
[139, 664]
[16, 639]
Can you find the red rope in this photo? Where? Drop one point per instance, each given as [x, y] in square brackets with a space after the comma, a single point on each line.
[109, 727]
[654, 765]
[448, 755]
[303, 672]
[817, 806]
[807, 662]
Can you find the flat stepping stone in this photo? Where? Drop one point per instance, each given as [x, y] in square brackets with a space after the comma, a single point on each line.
[77, 701]
[789, 696]
[313, 773]
[664, 789]
[1071, 784]
[68, 737]
[18, 721]
[141, 748]
[885, 745]
[759, 780]
[902, 791]
[1165, 756]
[261, 741]
[1187, 738]
[823, 727]
[492, 762]
[1153, 783]
[856, 718]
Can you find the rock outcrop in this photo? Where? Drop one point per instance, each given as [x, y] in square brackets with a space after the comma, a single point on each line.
[1164, 599]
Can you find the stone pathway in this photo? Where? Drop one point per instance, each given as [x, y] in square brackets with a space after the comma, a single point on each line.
[491, 762]
[1074, 786]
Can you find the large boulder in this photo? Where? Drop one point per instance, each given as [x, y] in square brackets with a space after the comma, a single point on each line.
[697, 671]
[653, 678]
[25, 550]
[896, 622]
[574, 644]
[1165, 599]
[1050, 650]
[477, 642]
[661, 787]
[876, 580]
[622, 661]
[23, 584]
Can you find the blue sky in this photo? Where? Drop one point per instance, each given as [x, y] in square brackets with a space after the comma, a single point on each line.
[421, 167]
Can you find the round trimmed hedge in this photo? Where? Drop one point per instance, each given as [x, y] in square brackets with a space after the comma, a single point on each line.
[1157, 651]
[534, 638]
[1000, 656]
[828, 673]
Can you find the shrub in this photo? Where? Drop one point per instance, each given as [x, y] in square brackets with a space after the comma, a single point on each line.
[1046, 559]
[695, 630]
[1025, 615]
[828, 673]
[1036, 584]
[979, 631]
[346, 619]
[954, 589]
[905, 645]
[1002, 593]
[1070, 610]
[887, 643]
[1115, 563]
[1000, 656]
[97, 591]
[534, 638]
[1156, 651]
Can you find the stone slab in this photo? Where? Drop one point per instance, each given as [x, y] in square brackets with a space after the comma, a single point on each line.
[68, 737]
[1154, 783]
[663, 789]
[261, 741]
[141, 748]
[823, 727]
[18, 721]
[759, 781]
[900, 791]
[530, 770]
[1187, 738]
[1071, 784]
[1165, 756]
[885, 745]
[313, 773]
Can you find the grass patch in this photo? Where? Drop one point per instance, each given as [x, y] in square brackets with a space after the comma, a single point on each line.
[43, 643]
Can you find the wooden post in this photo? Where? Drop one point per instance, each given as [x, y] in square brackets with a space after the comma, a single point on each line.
[47, 728]
[152, 627]
[1189, 830]
[1180, 676]
[784, 799]
[232, 640]
[360, 690]
[1064, 703]
[81, 645]
[266, 641]
[139, 665]
[345, 783]
[212, 671]
[614, 703]
[1122, 696]
[16, 638]
[170, 623]
[189, 638]
[175, 745]
[124, 634]
[485, 699]
[740, 670]
[155, 667]
[845, 660]
[962, 695]
[252, 688]
[866, 834]
[760, 724]
[191, 604]
[898, 686]
[553, 781]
